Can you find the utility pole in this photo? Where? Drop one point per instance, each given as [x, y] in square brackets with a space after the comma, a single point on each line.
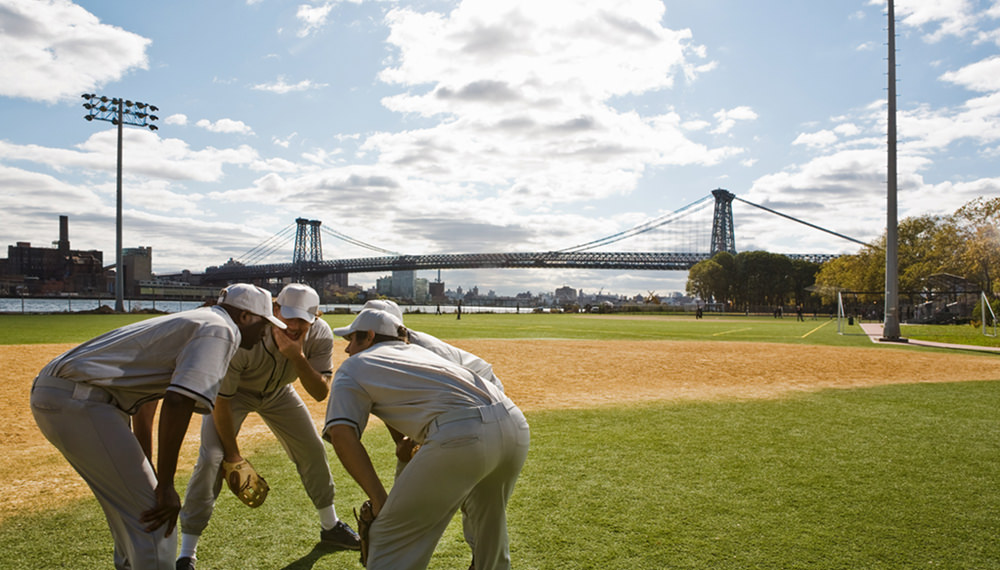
[890, 326]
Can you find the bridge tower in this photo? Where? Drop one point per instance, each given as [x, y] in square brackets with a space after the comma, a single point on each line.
[315, 241]
[308, 247]
[722, 223]
[308, 243]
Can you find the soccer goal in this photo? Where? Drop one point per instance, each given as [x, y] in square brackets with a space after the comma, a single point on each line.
[840, 312]
[857, 306]
[986, 307]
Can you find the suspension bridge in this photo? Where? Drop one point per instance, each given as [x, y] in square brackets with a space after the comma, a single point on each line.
[308, 264]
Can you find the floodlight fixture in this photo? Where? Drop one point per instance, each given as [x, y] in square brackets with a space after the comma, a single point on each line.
[119, 113]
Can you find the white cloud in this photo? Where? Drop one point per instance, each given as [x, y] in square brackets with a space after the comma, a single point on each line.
[55, 50]
[983, 76]
[162, 196]
[847, 129]
[528, 84]
[178, 119]
[148, 155]
[281, 87]
[312, 17]
[727, 118]
[696, 125]
[818, 139]
[941, 17]
[284, 142]
[225, 126]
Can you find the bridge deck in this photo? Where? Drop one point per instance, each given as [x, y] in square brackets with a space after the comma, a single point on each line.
[545, 260]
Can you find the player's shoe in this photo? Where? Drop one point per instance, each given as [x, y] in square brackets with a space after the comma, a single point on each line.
[185, 563]
[341, 536]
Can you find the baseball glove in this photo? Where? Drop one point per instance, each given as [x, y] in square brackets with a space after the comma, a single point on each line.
[364, 523]
[245, 483]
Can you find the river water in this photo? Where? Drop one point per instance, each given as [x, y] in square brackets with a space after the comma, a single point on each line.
[77, 304]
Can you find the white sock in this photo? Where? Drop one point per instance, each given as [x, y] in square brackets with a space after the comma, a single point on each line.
[189, 545]
[327, 517]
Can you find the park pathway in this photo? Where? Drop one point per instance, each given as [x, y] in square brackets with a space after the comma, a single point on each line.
[874, 332]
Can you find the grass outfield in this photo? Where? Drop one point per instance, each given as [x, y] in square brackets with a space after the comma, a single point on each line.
[893, 477]
[64, 328]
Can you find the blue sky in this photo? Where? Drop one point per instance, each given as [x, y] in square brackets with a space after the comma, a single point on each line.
[483, 126]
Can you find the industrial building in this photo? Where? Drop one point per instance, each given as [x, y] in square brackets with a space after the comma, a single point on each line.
[52, 271]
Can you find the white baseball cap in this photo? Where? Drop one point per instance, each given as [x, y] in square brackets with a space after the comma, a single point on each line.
[381, 322]
[252, 299]
[299, 301]
[385, 305]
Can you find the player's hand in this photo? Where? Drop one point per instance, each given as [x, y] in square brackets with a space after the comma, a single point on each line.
[405, 449]
[289, 346]
[168, 504]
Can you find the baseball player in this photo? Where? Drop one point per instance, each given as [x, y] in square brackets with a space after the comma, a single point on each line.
[473, 440]
[405, 447]
[261, 380]
[83, 399]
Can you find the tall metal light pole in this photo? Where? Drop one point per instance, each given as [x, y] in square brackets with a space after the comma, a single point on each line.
[119, 112]
[890, 326]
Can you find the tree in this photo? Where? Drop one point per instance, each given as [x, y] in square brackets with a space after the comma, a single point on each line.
[966, 244]
[802, 277]
[978, 225]
[764, 279]
[712, 278]
[701, 279]
[752, 279]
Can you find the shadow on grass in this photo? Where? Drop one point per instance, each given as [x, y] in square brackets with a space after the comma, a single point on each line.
[310, 559]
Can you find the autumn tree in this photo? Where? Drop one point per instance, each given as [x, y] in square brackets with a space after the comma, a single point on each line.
[966, 244]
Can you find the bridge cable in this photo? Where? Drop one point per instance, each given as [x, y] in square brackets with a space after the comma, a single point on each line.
[641, 228]
[848, 238]
[359, 243]
[269, 247]
[265, 248]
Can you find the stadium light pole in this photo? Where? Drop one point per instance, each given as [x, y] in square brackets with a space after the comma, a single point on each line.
[119, 112]
[890, 324]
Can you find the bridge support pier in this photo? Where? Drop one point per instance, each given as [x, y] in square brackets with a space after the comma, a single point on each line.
[723, 238]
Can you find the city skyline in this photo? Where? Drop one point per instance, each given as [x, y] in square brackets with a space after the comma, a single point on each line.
[471, 126]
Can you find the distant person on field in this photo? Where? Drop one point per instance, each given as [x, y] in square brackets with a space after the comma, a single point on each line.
[262, 380]
[82, 402]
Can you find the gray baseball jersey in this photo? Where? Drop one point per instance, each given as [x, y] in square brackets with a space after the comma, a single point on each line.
[474, 442]
[81, 399]
[465, 358]
[405, 385]
[186, 352]
[260, 380]
[262, 370]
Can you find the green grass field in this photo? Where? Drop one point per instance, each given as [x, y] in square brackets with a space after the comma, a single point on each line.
[892, 477]
[63, 328]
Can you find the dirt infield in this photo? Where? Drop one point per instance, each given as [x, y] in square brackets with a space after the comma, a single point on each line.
[537, 375]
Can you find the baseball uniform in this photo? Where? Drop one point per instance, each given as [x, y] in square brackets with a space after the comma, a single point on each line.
[473, 440]
[82, 401]
[260, 380]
